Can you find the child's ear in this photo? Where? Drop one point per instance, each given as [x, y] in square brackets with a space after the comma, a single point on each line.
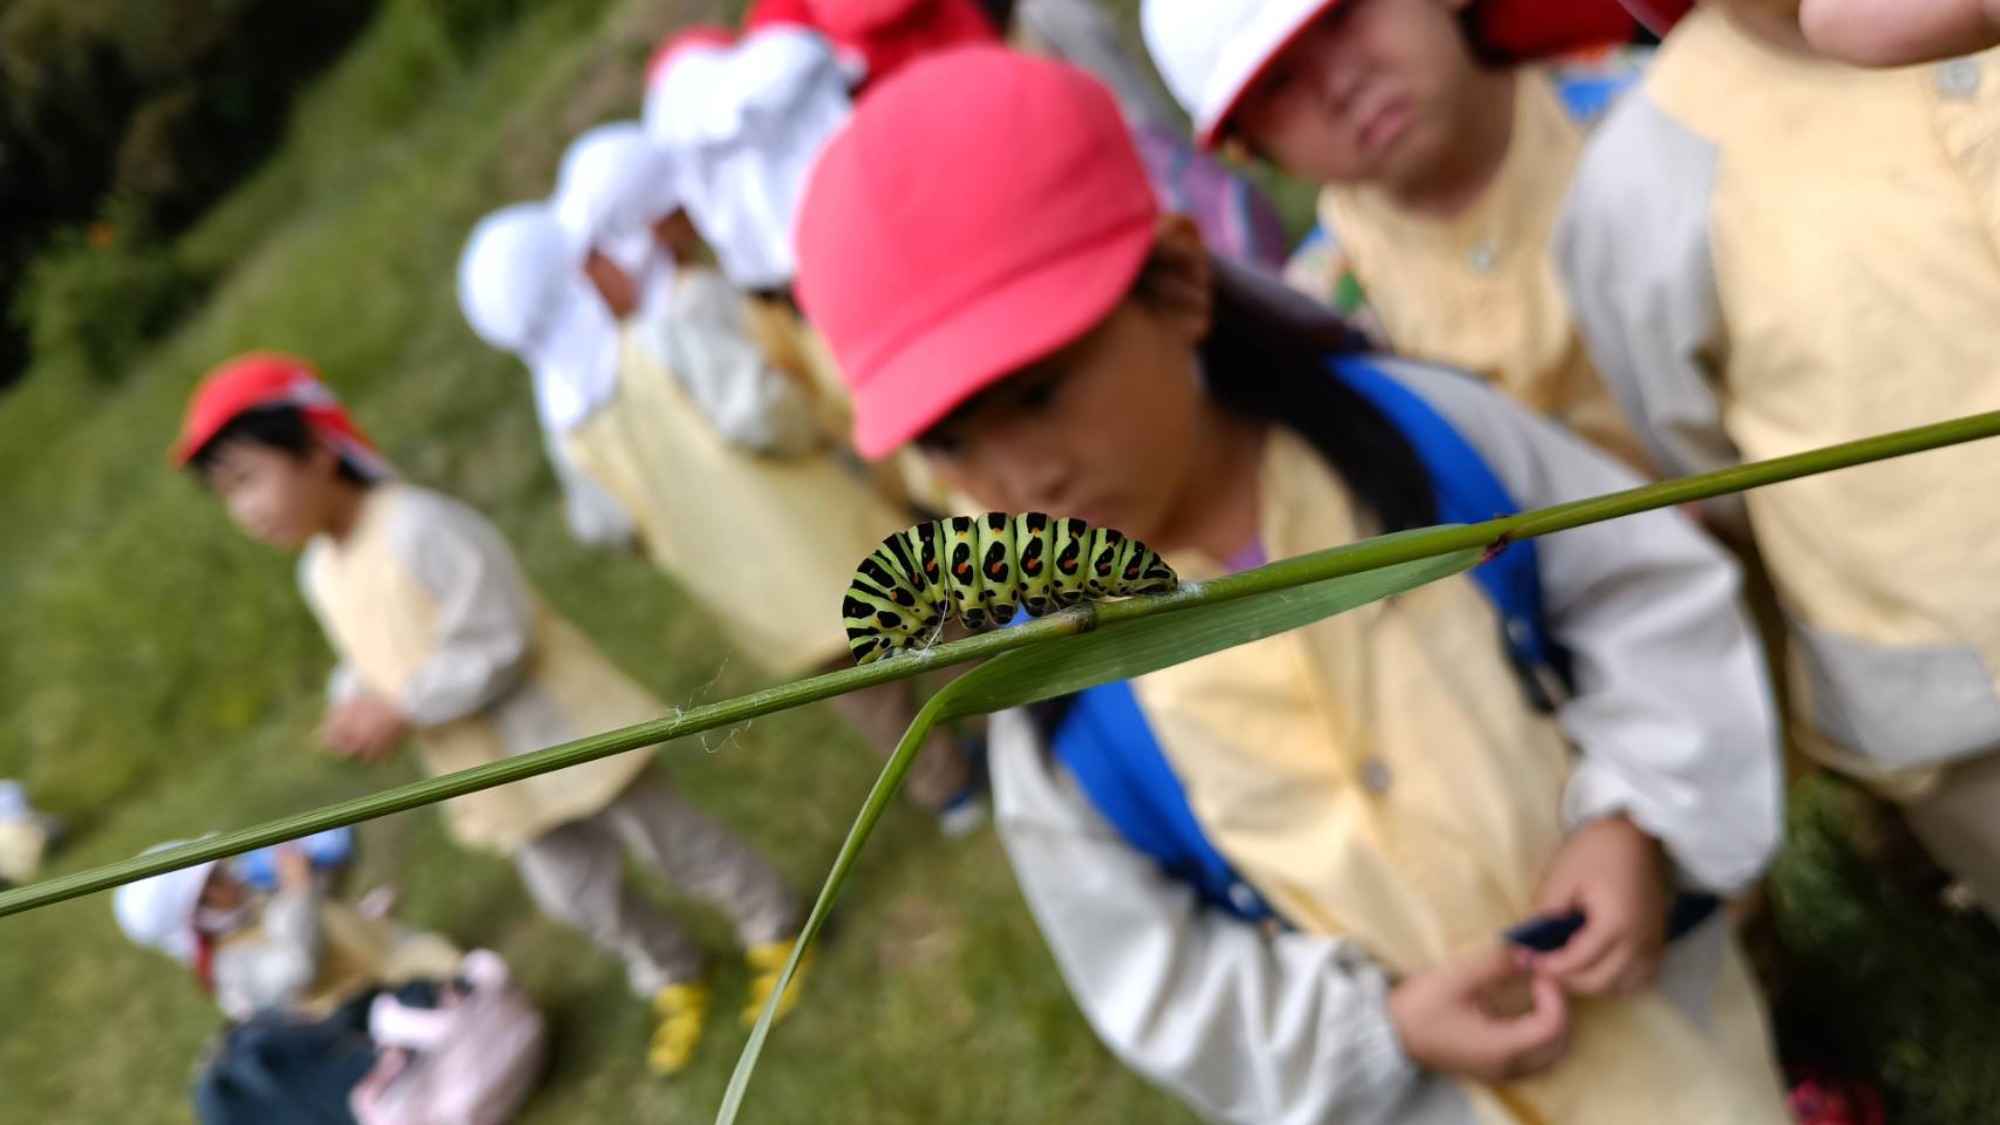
[323, 459]
[1179, 278]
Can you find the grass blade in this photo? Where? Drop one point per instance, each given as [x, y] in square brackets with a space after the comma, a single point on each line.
[887, 785]
[1369, 555]
[1123, 650]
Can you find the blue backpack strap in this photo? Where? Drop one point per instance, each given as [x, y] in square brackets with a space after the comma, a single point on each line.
[1468, 492]
[1106, 744]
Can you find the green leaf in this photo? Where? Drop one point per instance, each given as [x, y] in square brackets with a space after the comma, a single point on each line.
[1124, 650]
[1118, 651]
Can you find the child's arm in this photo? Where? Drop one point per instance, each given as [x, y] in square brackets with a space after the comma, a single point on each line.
[595, 518]
[1900, 32]
[1245, 1026]
[1672, 713]
[1631, 249]
[275, 969]
[710, 351]
[486, 611]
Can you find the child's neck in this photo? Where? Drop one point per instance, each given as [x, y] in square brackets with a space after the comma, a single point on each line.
[1774, 25]
[1218, 516]
[1467, 167]
[343, 510]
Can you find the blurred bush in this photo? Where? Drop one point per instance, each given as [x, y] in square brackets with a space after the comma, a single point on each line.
[92, 301]
[162, 104]
[469, 24]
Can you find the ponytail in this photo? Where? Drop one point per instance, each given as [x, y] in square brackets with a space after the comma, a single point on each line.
[1266, 358]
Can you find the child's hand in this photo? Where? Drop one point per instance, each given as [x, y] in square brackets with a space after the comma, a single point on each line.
[366, 729]
[1614, 873]
[1899, 32]
[295, 875]
[1445, 1018]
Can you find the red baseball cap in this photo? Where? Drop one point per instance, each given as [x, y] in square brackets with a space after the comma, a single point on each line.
[264, 379]
[887, 35]
[981, 211]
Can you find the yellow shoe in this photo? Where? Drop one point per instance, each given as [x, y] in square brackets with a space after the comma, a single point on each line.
[682, 1009]
[767, 964]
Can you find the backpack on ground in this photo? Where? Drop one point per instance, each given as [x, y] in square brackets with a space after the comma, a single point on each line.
[471, 1059]
[281, 1069]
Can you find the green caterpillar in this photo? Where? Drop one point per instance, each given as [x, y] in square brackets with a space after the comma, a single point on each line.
[981, 569]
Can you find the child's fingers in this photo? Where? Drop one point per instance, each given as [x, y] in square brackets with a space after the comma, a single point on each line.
[1587, 949]
[1636, 973]
[1601, 976]
[1536, 1041]
[1481, 971]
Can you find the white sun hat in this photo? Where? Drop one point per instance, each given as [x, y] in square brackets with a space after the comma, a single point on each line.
[158, 913]
[521, 286]
[1211, 51]
[613, 185]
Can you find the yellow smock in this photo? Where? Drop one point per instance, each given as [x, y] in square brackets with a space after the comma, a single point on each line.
[1772, 253]
[1379, 777]
[769, 545]
[1478, 290]
[481, 668]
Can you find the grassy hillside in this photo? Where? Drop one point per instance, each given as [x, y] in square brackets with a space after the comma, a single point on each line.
[162, 678]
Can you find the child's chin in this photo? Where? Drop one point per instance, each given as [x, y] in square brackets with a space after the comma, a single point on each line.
[281, 540]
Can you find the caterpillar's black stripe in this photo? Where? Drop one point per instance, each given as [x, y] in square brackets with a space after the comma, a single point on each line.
[980, 570]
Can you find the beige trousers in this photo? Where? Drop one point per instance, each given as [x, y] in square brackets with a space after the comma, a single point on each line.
[1958, 820]
[576, 873]
[882, 714]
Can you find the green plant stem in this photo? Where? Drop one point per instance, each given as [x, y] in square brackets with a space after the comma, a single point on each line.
[1353, 559]
[887, 785]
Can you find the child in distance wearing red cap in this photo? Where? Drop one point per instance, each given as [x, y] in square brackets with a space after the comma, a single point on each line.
[442, 641]
[1276, 879]
[1441, 164]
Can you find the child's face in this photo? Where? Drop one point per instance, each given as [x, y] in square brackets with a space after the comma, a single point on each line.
[222, 891]
[618, 289]
[677, 233]
[277, 497]
[1100, 431]
[1369, 93]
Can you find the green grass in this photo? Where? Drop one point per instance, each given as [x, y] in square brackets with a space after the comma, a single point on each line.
[163, 679]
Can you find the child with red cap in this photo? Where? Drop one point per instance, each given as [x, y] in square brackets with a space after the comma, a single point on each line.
[880, 37]
[1769, 252]
[1441, 166]
[442, 639]
[1277, 878]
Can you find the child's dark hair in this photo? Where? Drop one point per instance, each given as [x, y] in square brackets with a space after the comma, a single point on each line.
[1265, 358]
[283, 428]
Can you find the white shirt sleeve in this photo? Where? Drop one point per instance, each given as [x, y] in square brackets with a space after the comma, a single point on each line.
[1631, 249]
[275, 969]
[707, 346]
[486, 612]
[1672, 714]
[1245, 1026]
[594, 517]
